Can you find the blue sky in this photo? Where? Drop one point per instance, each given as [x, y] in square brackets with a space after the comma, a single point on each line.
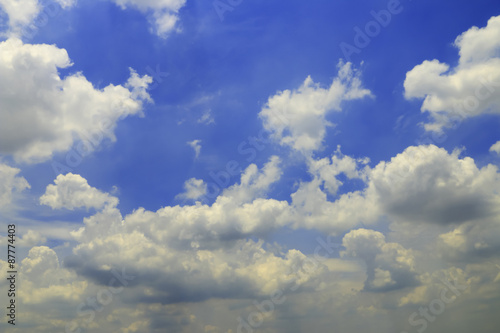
[227, 140]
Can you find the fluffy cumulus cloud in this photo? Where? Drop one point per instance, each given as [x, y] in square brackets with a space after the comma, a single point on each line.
[314, 210]
[423, 184]
[43, 114]
[45, 282]
[77, 304]
[215, 254]
[194, 189]
[328, 170]
[30, 239]
[467, 90]
[428, 184]
[495, 148]
[239, 212]
[163, 13]
[254, 182]
[22, 14]
[42, 267]
[389, 266]
[10, 183]
[297, 118]
[187, 253]
[212, 266]
[162, 259]
[72, 191]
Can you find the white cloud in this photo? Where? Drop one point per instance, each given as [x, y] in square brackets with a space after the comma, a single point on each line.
[423, 184]
[244, 269]
[9, 183]
[20, 13]
[210, 240]
[23, 14]
[194, 189]
[72, 191]
[389, 265]
[44, 280]
[30, 239]
[478, 45]
[43, 113]
[195, 144]
[328, 169]
[66, 3]
[298, 118]
[185, 255]
[472, 241]
[164, 13]
[238, 213]
[254, 184]
[427, 184]
[495, 148]
[201, 253]
[27, 240]
[176, 241]
[468, 90]
[206, 118]
[313, 209]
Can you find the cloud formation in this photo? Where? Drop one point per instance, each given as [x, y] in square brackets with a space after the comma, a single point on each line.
[423, 184]
[428, 184]
[495, 148]
[72, 191]
[43, 114]
[10, 183]
[468, 90]
[375, 244]
[389, 266]
[297, 118]
[194, 189]
[195, 144]
[22, 14]
[179, 241]
[163, 13]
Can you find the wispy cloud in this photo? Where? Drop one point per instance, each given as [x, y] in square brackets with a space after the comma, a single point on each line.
[196, 145]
